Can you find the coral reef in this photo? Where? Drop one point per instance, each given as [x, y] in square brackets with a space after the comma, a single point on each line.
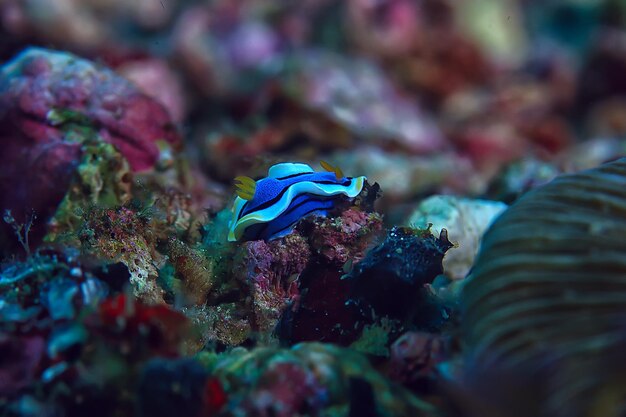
[344, 238]
[272, 269]
[322, 379]
[56, 110]
[167, 247]
[123, 235]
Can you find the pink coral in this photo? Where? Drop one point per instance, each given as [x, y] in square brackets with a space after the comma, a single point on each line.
[346, 237]
[157, 80]
[40, 92]
[415, 355]
[285, 389]
[38, 81]
[270, 264]
[271, 269]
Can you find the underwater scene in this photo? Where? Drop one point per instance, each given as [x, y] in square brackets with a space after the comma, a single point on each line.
[314, 208]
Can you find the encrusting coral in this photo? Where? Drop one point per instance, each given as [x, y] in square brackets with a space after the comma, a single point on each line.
[58, 115]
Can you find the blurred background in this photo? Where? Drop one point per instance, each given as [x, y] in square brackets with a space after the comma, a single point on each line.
[473, 97]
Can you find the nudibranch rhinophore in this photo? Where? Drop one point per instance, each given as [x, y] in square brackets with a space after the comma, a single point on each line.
[270, 207]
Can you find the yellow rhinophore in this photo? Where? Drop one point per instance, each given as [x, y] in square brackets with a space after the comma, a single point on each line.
[330, 168]
[246, 187]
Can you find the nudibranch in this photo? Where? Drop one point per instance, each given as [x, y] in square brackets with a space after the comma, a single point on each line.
[270, 207]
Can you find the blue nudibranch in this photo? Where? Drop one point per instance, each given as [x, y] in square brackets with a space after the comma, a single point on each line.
[270, 207]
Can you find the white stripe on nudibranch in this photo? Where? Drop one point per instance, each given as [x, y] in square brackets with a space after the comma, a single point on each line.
[285, 169]
[239, 225]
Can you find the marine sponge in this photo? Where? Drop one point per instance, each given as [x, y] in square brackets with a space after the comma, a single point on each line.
[549, 288]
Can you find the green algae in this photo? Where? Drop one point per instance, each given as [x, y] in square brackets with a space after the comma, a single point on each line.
[374, 339]
[102, 179]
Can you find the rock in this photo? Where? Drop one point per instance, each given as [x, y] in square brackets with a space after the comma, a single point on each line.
[82, 25]
[20, 361]
[465, 220]
[157, 80]
[404, 176]
[391, 279]
[132, 328]
[357, 95]
[321, 313]
[38, 85]
[169, 387]
[218, 56]
[55, 108]
[520, 177]
[593, 152]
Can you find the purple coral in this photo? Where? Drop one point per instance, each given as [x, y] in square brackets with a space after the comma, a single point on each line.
[346, 237]
[271, 270]
[267, 263]
[39, 81]
[40, 91]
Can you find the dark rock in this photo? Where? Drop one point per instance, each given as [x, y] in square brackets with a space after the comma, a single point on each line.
[321, 314]
[115, 275]
[168, 388]
[391, 278]
[19, 363]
